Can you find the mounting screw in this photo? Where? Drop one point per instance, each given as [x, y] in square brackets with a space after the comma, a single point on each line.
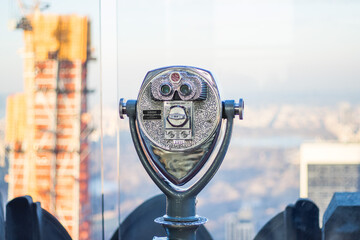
[239, 108]
[122, 108]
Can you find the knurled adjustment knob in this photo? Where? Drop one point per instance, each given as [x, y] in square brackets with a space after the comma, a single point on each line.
[122, 108]
[239, 108]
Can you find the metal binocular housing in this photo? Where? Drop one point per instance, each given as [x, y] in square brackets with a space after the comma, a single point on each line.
[175, 124]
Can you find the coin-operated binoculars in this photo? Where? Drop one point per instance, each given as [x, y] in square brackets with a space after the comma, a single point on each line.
[175, 124]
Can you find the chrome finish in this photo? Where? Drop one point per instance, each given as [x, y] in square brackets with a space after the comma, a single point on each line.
[179, 134]
[122, 108]
[183, 76]
[239, 108]
[174, 136]
[206, 113]
[180, 167]
[180, 205]
[176, 229]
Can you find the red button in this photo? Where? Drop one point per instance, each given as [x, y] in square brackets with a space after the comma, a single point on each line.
[175, 77]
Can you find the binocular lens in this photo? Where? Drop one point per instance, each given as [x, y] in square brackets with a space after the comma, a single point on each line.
[185, 89]
[165, 89]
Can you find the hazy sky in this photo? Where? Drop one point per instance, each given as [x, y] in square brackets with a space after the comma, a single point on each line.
[262, 50]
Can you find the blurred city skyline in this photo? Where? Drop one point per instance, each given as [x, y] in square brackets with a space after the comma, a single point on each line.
[278, 51]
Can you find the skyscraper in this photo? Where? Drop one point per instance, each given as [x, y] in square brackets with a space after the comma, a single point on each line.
[326, 168]
[239, 226]
[46, 125]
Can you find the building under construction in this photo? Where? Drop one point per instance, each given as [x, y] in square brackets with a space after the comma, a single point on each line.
[46, 125]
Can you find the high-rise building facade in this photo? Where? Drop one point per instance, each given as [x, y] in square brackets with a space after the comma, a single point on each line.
[46, 125]
[326, 168]
[239, 226]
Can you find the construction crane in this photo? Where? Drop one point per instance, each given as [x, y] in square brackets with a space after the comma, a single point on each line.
[26, 8]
